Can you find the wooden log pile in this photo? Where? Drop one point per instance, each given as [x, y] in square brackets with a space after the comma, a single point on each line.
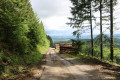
[66, 48]
[57, 46]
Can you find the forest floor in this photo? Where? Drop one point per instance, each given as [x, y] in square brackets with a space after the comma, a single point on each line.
[55, 66]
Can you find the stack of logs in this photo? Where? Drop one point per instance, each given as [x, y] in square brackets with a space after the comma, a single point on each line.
[57, 46]
[65, 48]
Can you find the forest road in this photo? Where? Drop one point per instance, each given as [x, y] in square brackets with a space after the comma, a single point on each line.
[59, 67]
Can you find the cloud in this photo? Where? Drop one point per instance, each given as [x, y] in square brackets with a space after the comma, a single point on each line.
[54, 15]
[56, 23]
[48, 8]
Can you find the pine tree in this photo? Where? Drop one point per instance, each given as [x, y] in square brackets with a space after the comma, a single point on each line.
[51, 41]
[20, 28]
[82, 13]
[111, 29]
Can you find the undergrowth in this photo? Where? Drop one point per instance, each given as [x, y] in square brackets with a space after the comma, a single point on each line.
[11, 64]
[89, 59]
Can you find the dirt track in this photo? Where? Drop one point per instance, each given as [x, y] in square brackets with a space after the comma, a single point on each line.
[59, 67]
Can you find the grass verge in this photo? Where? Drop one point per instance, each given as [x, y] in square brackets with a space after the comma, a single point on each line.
[42, 49]
[13, 65]
[91, 60]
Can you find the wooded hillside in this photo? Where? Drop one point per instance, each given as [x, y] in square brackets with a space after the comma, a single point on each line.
[22, 34]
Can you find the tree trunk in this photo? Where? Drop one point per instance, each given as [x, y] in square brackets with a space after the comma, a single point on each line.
[91, 31]
[111, 30]
[101, 41]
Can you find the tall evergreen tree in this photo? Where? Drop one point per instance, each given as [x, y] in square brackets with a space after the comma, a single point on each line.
[51, 41]
[92, 45]
[82, 15]
[111, 29]
[101, 40]
[103, 7]
[20, 28]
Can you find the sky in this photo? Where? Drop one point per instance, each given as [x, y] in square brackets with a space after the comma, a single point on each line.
[54, 15]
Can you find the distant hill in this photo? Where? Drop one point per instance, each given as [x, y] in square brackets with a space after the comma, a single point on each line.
[66, 39]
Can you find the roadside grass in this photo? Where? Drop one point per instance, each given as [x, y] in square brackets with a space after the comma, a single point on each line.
[42, 49]
[86, 50]
[72, 56]
[96, 61]
[90, 59]
[25, 59]
[57, 50]
[19, 65]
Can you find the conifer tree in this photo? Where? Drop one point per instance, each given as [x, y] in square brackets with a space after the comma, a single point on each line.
[82, 18]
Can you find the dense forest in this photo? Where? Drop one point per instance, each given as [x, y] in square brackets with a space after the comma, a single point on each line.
[22, 35]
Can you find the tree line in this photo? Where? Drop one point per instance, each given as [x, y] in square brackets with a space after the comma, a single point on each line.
[83, 12]
[22, 34]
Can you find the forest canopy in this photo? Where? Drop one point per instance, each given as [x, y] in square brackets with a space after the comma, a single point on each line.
[22, 34]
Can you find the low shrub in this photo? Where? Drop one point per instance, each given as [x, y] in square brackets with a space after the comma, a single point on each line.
[26, 59]
[86, 50]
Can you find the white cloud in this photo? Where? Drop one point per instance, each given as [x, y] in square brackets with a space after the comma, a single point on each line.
[48, 8]
[54, 15]
[56, 23]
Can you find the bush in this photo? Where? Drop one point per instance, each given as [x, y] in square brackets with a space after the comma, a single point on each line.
[26, 58]
[77, 43]
[86, 49]
[2, 66]
[2, 69]
[97, 51]
[42, 49]
[20, 33]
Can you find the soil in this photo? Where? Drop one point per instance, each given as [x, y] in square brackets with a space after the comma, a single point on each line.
[60, 67]
[55, 66]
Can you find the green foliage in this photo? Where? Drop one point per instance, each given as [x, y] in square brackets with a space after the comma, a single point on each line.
[86, 49]
[26, 59]
[73, 56]
[42, 49]
[105, 38]
[97, 51]
[1, 56]
[83, 14]
[106, 51]
[117, 55]
[50, 40]
[77, 43]
[2, 68]
[20, 33]
[20, 28]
